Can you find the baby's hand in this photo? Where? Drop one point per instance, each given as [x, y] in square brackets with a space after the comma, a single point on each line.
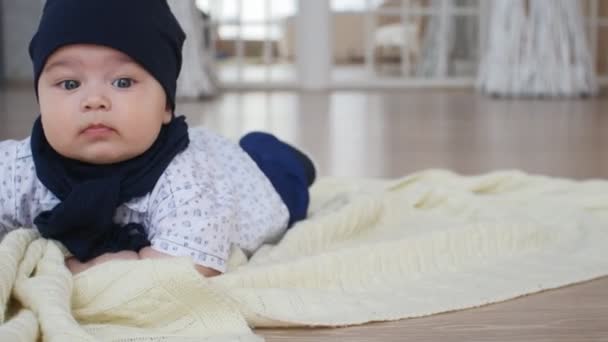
[149, 253]
[75, 266]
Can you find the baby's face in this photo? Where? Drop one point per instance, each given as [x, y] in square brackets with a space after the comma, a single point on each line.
[99, 106]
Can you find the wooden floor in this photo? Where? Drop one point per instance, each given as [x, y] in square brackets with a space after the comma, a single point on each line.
[389, 134]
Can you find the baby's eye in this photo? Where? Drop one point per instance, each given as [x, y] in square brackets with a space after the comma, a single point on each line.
[69, 84]
[123, 82]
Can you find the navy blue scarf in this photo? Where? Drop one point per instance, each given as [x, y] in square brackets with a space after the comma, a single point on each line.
[90, 194]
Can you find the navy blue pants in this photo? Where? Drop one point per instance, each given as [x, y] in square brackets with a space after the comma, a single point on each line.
[283, 168]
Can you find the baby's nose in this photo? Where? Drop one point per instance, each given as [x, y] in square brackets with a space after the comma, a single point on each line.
[96, 102]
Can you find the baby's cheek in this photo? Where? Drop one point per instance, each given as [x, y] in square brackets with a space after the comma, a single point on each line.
[58, 137]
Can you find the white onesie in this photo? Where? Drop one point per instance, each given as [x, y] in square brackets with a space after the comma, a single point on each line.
[210, 197]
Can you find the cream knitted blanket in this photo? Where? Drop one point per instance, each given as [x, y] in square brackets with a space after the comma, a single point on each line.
[371, 251]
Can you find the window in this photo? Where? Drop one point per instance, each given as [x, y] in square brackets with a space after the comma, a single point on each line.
[401, 41]
[253, 39]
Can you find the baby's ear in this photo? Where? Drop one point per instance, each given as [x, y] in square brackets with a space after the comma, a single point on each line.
[168, 114]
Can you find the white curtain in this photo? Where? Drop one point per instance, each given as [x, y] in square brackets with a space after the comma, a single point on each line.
[537, 48]
[198, 77]
[437, 40]
[450, 42]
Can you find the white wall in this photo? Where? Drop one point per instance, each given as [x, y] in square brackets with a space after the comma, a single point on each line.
[19, 21]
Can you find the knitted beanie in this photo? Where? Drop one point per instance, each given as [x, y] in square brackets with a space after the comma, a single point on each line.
[145, 30]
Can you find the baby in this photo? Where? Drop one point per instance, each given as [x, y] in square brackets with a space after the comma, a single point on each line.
[112, 173]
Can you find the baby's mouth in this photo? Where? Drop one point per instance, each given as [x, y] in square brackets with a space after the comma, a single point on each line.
[97, 130]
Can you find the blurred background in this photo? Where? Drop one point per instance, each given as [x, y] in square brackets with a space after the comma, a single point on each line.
[381, 87]
[364, 43]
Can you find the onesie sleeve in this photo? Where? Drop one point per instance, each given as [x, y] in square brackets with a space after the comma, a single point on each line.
[194, 224]
[213, 197]
[8, 151]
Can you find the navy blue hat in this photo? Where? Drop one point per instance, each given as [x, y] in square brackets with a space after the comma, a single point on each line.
[145, 30]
